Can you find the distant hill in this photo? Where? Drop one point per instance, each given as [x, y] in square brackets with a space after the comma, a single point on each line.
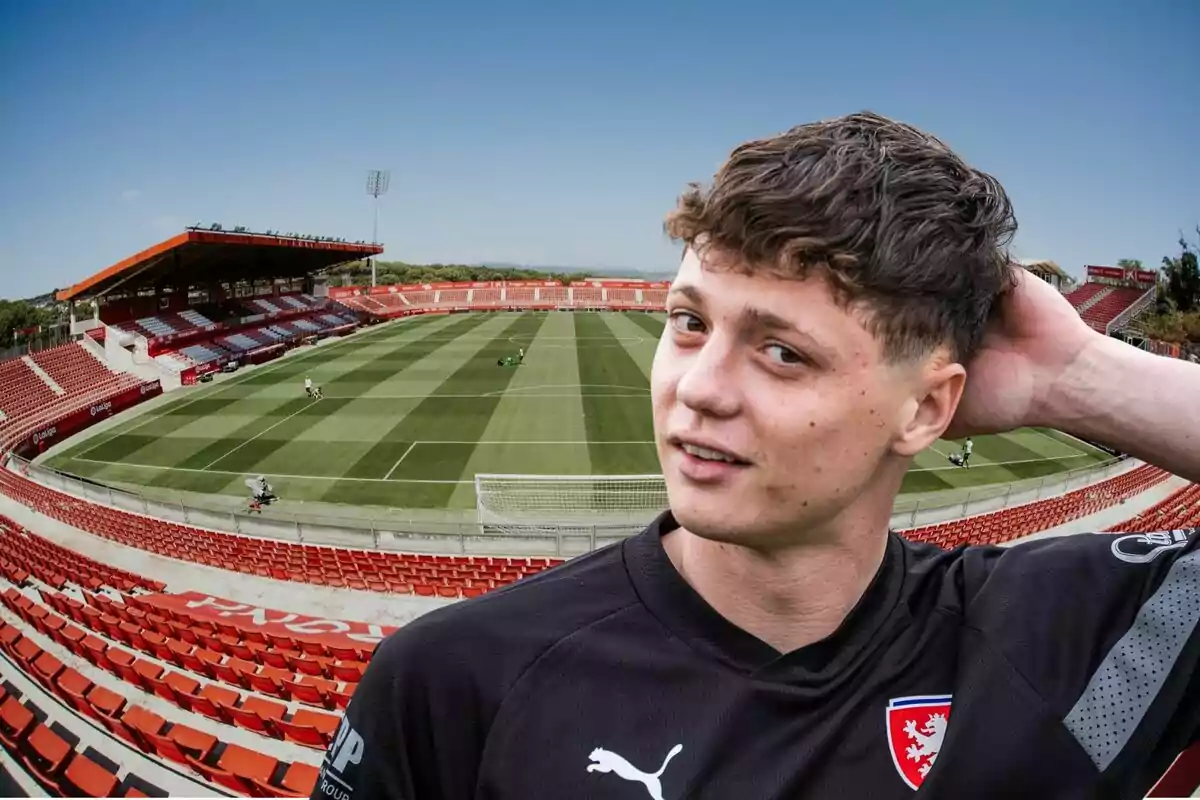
[598, 272]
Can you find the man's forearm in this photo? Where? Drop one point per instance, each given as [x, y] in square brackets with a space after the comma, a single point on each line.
[1137, 402]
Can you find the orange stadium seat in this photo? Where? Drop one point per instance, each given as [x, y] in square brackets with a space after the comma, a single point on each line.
[85, 778]
[45, 753]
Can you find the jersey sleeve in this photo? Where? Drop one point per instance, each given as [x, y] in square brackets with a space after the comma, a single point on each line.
[1106, 629]
[412, 730]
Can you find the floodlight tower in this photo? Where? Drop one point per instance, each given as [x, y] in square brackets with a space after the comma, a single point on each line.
[377, 184]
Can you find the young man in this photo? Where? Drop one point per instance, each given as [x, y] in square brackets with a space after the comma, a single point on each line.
[769, 638]
[308, 386]
[968, 448]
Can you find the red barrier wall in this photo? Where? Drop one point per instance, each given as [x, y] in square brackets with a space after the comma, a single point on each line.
[337, 292]
[86, 417]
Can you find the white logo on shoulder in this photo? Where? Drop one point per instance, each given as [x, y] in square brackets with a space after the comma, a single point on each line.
[346, 751]
[608, 761]
[1142, 548]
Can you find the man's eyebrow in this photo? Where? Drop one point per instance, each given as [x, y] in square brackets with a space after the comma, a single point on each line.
[690, 292]
[758, 318]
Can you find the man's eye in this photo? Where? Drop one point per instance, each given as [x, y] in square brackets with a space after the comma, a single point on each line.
[686, 323]
[782, 355]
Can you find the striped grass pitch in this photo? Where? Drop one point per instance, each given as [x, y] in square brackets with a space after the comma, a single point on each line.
[414, 409]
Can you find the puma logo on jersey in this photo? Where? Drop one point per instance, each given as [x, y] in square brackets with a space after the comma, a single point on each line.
[608, 761]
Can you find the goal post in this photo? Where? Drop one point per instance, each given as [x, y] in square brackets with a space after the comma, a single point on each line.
[556, 503]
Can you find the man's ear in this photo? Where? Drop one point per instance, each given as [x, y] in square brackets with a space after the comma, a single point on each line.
[937, 389]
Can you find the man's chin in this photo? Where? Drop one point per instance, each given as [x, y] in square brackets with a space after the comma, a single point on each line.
[716, 515]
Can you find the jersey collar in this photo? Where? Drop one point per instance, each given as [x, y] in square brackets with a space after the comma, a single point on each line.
[677, 606]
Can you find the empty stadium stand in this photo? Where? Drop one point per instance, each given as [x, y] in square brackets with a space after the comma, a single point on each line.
[82, 682]
[1112, 296]
[469, 576]
[422, 575]
[115, 658]
[39, 391]
[76, 370]
[1179, 510]
[1085, 294]
[22, 390]
[1020, 521]
[389, 301]
[1109, 305]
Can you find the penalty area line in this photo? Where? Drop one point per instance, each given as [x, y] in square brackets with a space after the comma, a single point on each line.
[158, 468]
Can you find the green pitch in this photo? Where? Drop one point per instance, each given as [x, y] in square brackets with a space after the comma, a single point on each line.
[413, 410]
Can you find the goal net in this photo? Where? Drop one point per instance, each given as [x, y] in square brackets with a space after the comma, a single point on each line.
[558, 503]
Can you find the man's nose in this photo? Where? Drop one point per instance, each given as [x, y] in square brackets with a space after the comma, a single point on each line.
[708, 382]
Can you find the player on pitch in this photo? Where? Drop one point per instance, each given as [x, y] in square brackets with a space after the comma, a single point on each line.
[845, 299]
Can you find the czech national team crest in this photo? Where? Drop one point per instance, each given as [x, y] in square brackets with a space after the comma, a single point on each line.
[916, 727]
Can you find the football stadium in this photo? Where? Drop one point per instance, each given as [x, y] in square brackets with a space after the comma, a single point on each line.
[236, 479]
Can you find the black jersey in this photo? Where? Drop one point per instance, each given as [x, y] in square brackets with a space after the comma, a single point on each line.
[1060, 668]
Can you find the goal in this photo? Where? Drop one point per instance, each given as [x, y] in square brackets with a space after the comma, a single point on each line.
[557, 503]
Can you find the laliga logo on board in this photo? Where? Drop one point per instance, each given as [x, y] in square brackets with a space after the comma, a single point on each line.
[43, 435]
[149, 387]
[100, 408]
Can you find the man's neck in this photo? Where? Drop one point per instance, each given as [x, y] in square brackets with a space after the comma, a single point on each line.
[787, 598]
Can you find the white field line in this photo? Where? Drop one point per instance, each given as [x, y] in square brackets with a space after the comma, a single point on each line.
[273, 474]
[406, 452]
[268, 429]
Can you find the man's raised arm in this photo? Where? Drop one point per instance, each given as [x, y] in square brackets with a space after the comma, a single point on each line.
[1137, 402]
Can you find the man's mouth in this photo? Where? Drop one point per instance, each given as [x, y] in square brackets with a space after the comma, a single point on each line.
[710, 452]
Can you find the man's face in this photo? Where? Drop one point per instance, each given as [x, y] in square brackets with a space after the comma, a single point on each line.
[774, 374]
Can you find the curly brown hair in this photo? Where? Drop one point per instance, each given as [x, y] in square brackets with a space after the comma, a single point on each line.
[899, 225]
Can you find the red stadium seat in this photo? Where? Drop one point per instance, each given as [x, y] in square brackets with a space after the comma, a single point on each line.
[16, 722]
[104, 702]
[85, 778]
[220, 776]
[45, 753]
[300, 778]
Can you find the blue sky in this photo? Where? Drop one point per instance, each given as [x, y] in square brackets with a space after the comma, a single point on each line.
[561, 133]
